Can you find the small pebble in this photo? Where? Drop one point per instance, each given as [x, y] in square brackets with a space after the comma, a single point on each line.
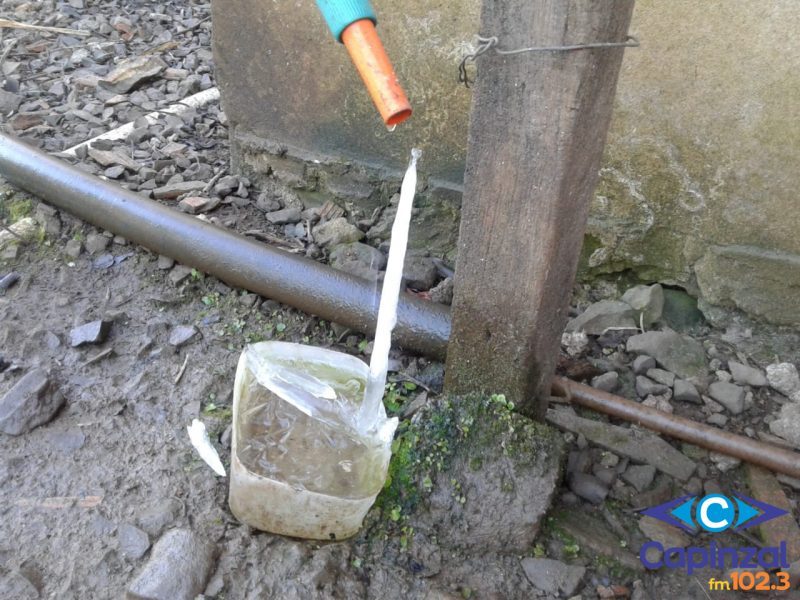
[647, 387]
[182, 335]
[588, 487]
[608, 382]
[89, 333]
[661, 376]
[685, 391]
[164, 262]
[642, 364]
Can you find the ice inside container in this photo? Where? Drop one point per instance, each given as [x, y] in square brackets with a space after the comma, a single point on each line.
[297, 421]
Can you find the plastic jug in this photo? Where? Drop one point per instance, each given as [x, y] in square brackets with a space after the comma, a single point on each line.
[311, 441]
[300, 466]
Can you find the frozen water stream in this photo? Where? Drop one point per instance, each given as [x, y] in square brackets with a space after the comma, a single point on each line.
[387, 312]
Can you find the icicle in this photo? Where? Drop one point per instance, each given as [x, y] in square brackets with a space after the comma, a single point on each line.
[387, 313]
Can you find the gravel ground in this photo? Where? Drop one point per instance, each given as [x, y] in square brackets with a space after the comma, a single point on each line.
[119, 349]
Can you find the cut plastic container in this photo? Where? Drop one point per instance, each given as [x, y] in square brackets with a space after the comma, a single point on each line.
[300, 464]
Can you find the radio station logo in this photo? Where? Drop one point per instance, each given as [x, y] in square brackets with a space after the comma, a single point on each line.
[714, 514]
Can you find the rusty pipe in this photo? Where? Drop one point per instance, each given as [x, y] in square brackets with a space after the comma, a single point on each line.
[305, 284]
[771, 457]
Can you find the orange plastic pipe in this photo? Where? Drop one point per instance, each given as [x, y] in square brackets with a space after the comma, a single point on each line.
[365, 48]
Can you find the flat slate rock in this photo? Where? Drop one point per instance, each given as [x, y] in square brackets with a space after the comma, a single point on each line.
[178, 569]
[591, 533]
[766, 488]
[198, 204]
[29, 403]
[132, 73]
[419, 272]
[133, 542]
[337, 231]
[647, 300]
[676, 353]
[639, 445]
[730, 395]
[165, 262]
[661, 376]
[553, 576]
[685, 391]
[747, 375]
[608, 382]
[110, 158]
[284, 216]
[95, 332]
[182, 335]
[173, 190]
[640, 476]
[642, 364]
[600, 316]
[96, 242]
[784, 378]
[179, 274]
[358, 259]
[588, 487]
[9, 102]
[646, 386]
[667, 535]
[787, 425]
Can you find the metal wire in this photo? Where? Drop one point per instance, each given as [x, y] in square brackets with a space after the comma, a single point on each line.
[486, 44]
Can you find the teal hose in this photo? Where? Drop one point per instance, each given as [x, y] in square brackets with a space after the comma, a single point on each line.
[339, 14]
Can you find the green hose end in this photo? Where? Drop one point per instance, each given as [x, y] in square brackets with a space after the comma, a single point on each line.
[340, 14]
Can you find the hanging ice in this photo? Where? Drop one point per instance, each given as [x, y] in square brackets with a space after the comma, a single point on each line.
[387, 313]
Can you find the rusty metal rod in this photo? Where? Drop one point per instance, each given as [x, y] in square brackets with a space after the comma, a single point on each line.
[305, 284]
[758, 453]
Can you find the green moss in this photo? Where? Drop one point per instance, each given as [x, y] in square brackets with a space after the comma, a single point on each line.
[14, 210]
[479, 380]
[223, 413]
[552, 529]
[396, 395]
[471, 427]
[591, 244]
[607, 565]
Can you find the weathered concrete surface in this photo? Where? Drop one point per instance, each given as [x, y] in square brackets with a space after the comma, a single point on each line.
[284, 77]
[299, 112]
[698, 177]
[702, 153]
[759, 281]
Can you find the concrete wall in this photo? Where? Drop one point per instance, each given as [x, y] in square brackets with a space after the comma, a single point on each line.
[701, 177]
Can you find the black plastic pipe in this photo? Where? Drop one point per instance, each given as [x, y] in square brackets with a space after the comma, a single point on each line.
[307, 285]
